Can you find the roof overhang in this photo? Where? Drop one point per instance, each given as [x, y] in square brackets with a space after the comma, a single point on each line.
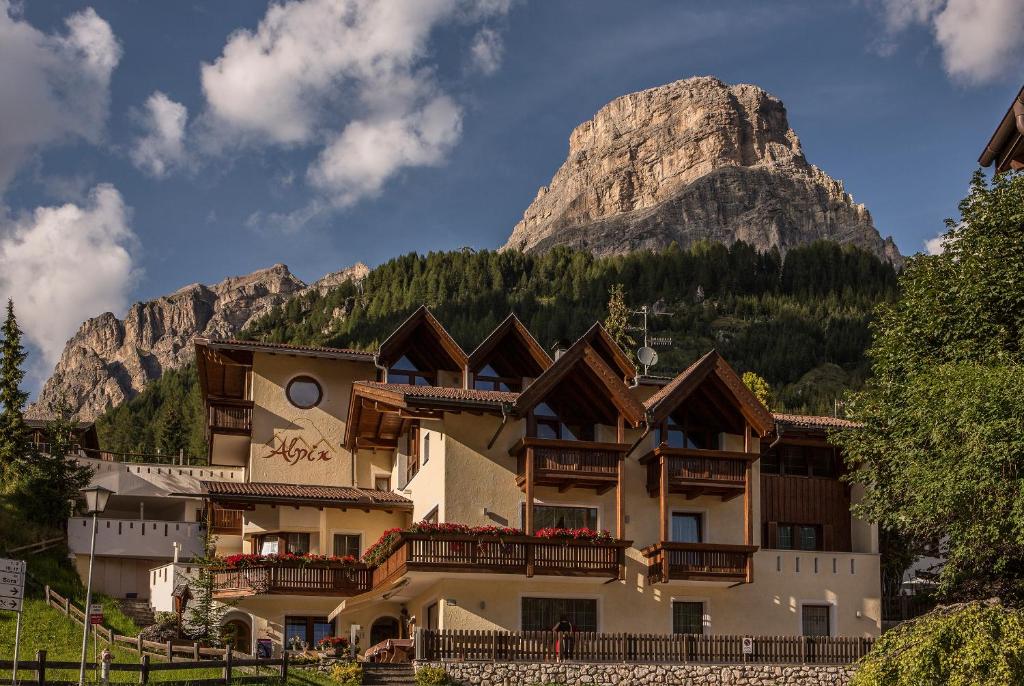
[1006, 146]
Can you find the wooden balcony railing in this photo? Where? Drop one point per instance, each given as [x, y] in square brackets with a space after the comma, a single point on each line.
[227, 522]
[699, 562]
[230, 416]
[698, 472]
[524, 555]
[570, 463]
[297, 579]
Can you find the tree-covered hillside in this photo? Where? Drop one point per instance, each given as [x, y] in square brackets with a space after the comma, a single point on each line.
[801, 322]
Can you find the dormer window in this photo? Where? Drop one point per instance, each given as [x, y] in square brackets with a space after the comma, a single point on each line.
[487, 379]
[404, 371]
[550, 426]
[672, 435]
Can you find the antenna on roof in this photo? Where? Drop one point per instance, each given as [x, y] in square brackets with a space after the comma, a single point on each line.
[647, 356]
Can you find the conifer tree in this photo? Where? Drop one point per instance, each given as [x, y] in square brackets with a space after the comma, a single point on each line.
[205, 612]
[13, 432]
[49, 480]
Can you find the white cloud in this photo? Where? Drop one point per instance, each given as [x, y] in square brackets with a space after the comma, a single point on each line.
[368, 152]
[979, 39]
[486, 51]
[56, 86]
[162, 146]
[59, 262]
[352, 78]
[935, 246]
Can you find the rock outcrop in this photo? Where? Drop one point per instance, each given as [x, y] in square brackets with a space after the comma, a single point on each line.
[109, 360]
[691, 160]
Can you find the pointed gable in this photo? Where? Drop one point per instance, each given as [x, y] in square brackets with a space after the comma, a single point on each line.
[422, 340]
[601, 341]
[581, 385]
[711, 382]
[511, 351]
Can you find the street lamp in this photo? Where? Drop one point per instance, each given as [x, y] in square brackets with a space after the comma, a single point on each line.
[96, 498]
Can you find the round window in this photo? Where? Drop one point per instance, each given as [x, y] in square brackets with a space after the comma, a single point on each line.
[304, 392]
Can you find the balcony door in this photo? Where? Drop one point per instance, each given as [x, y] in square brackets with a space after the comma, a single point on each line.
[687, 527]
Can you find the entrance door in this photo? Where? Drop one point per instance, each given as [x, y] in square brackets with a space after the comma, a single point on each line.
[236, 633]
[383, 629]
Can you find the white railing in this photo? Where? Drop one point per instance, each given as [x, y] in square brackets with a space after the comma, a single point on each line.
[136, 537]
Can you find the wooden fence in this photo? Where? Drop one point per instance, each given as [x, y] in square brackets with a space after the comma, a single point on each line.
[145, 668]
[548, 646]
[169, 650]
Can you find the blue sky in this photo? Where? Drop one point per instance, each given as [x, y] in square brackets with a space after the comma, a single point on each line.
[158, 144]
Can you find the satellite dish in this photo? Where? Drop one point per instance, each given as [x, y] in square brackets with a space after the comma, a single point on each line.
[648, 356]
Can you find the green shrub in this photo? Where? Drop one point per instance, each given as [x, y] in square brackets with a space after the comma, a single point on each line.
[347, 673]
[973, 644]
[432, 676]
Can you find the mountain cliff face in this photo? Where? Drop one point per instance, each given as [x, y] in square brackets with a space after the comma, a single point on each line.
[109, 360]
[695, 159]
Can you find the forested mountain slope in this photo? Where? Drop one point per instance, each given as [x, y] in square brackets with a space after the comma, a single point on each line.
[801, 322]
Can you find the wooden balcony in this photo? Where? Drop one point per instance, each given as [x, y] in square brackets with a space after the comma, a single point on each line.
[297, 579]
[568, 464]
[521, 555]
[695, 473]
[227, 522]
[699, 562]
[226, 416]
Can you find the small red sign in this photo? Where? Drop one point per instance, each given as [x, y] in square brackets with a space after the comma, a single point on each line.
[95, 614]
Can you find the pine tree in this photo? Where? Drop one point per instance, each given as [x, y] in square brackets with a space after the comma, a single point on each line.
[13, 431]
[205, 612]
[174, 435]
[617, 321]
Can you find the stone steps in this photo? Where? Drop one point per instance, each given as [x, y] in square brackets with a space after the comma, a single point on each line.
[398, 674]
[138, 610]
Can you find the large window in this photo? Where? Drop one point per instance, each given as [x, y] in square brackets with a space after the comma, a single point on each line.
[672, 435]
[561, 517]
[816, 620]
[404, 371]
[687, 527]
[687, 617]
[550, 426]
[489, 380]
[412, 464]
[542, 614]
[347, 544]
[308, 630]
[283, 542]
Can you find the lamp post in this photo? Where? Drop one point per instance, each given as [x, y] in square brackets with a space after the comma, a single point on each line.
[96, 498]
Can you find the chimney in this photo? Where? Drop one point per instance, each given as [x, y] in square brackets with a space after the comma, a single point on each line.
[559, 348]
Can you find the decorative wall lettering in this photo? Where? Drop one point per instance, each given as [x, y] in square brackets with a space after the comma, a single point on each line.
[295, 449]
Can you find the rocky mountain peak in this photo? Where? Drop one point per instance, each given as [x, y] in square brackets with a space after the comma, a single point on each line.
[110, 360]
[690, 160]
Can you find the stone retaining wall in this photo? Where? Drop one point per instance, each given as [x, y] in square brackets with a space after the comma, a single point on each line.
[571, 674]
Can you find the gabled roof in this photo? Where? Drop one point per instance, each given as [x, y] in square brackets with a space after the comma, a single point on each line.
[409, 393]
[300, 494]
[286, 349]
[530, 357]
[583, 357]
[665, 401]
[421, 335]
[601, 341]
[806, 421]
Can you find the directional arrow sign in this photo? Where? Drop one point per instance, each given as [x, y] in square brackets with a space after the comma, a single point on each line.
[12, 604]
[16, 566]
[9, 591]
[12, 578]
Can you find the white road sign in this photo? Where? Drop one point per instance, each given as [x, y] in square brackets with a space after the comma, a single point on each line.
[12, 578]
[13, 604]
[9, 591]
[16, 566]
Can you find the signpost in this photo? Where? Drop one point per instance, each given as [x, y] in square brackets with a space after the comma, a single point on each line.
[96, 614]
[12, 595]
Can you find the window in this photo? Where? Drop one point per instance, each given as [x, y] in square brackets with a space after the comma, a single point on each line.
[382, 483]
[815, 620]
[687, 527]
[284, 542]
[687, 617]
[542, 614]
[308, 630]
[431, 517]
[822, 462]
[795, 460]
[797, 537]
[412, 464]
[404, 371]
[559, 517]
[347, 544]
[426, 447]
[489, 380]
[304, 392]
[550, 426]
[671, 435]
